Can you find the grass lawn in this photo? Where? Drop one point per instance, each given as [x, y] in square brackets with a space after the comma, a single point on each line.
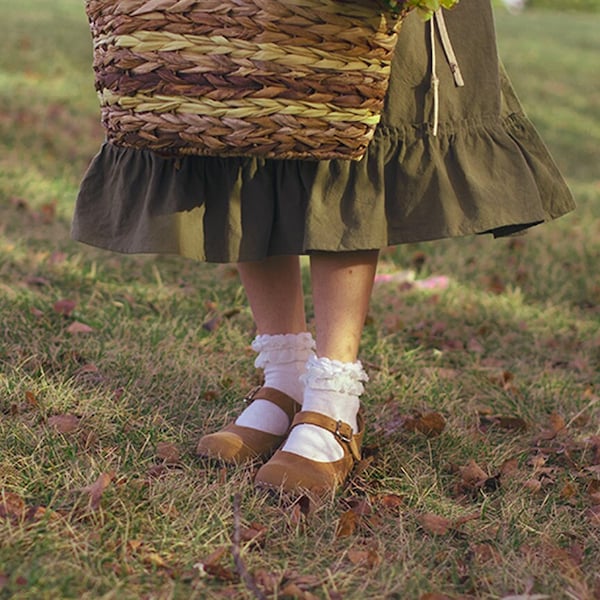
[111, 367]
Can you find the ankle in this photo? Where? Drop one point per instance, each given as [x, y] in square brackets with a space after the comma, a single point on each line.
[333, 388]
[283, 358]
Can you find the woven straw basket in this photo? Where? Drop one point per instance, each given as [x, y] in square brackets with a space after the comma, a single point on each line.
[270, 78]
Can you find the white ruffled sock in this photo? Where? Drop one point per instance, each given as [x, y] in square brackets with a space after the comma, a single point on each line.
[332, 388]
[283, 358]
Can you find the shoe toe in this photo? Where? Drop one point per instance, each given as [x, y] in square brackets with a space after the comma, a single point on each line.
[290, 472]
[223, 445]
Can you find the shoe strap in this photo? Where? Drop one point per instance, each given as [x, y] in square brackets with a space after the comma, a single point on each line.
[342, 432]
[286, 403]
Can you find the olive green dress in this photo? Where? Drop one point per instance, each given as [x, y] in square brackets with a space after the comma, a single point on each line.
[486, 170]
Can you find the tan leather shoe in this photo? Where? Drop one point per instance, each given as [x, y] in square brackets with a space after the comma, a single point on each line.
[290, 472]
[236, 444]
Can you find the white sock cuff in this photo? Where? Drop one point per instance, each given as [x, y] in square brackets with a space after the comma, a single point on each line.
[283, 348]
[334, 376]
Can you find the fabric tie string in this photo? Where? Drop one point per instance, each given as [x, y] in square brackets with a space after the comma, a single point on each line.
[438, 19]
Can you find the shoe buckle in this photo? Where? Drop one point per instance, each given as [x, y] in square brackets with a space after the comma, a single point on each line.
[347, 438]
[247, 399]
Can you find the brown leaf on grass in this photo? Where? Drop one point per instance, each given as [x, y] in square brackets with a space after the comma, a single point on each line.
[76, 328]
[593, 443]
[255, 534]
[89, 371]
[3, 580]
[503, 421]
[594, 495]
[47, 212]
[211, 565]
[64, 423]
[97, 488]
[435, 596]
[472, 474]
[64, 307]
[300, 510]
[31, 399]
[495, 284]
[509, 467]
[504, 379]
[168, 452]
[214, 322]
[484, 553]
[365, 557]
[12, 506]
[390, 501]
[435, 524]
[347, 524]
[568, 491]
[593, 514]
[361, 506]
[155, 471]
[533, 485]
[362, 465]
[36, 513]
[154, 559]
[293, 592]
[557, 424]
[430, 424]
[267, 580]
[466, 518]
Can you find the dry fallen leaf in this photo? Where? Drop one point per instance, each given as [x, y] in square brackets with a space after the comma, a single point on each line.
[593, 514]
[31, 399]
[506, 422]
[211, 565]
[168, 452]
[347, 524]
[77, 327]
[97, 488]
[292, 591]
[390, 501]
[154, 560]
[300, 510]
[64, 423]
[533, 485]
[509, 467]
[472, 474]
[430, 424]
[365, 557]
[64, 307]
[433, 523]
[254, 533]
[12, 506]
[557, 424]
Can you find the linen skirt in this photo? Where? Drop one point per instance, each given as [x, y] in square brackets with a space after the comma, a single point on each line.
[485, 171]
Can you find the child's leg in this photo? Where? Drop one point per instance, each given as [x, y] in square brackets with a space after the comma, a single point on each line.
[342, 285]
[274, 290]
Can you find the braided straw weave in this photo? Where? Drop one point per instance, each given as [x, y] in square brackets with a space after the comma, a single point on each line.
[271, 78]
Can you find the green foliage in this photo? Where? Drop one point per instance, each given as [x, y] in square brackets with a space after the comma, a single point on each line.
[568, 5]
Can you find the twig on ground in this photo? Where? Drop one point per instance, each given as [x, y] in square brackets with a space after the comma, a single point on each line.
[240, 567]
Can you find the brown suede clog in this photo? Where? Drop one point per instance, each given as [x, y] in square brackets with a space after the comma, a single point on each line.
[236, 444]
[290, 472]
